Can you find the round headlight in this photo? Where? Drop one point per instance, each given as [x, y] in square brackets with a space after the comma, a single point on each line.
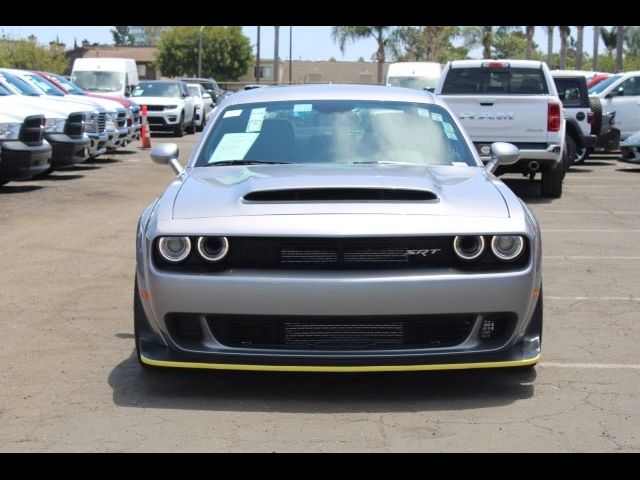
[507, 247]
[468, 247]
[213, 249]
[174, 249]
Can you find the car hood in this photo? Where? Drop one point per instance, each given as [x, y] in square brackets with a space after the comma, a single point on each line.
[109, 105]
[158, 101]
[48, 106]
[222, 191]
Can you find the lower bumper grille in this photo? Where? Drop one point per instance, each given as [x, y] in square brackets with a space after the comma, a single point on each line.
[32, 130]
[322, 333]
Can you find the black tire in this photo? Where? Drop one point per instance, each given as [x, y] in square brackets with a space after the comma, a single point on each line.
[569, 155]
[596, 108]
[551, 183]
[139, 318]
[191, 129]
[202, 123]
[179, 130]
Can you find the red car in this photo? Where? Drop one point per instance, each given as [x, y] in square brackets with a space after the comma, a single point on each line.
[597, 79]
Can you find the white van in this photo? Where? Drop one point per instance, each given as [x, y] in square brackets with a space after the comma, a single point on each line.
[416, 75]
[116, 77]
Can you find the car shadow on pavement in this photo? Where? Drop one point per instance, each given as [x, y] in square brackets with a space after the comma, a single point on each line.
[59, 177]
[101, 160]
[527, 190]
[219, 390]
[628, 170]
[12, 188]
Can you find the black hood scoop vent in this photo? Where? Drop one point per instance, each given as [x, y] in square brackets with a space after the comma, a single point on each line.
[297, 195]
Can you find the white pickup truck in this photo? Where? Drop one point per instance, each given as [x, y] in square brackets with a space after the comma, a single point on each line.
[513, 101]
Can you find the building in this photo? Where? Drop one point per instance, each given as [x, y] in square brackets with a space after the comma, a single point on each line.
[147, 35]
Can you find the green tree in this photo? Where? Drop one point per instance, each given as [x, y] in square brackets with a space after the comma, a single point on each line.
[609, 38]
[475, 36]
[426, 44]
[382, 35]
[632, 41]
[226, 52]
[510, 44]
[122, 35]
[549, 45]
[564, 38]
[579, 47]
[27, 55]
[529, 37]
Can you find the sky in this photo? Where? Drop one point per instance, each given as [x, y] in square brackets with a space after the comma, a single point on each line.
[309, 43]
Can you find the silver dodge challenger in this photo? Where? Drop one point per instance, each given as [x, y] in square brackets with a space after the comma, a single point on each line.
[337, 228]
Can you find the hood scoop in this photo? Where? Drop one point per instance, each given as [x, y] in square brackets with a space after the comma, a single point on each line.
[300, 195]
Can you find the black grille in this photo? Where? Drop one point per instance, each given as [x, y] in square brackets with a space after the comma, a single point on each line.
[74, 126]
[155, 108]
[156, 121]
[184, 327]
[343, 254]
[361, 332]
[122, 119]
[135, 114]
[102, 122]
[32, 129]
[339, 194]
[494, 325]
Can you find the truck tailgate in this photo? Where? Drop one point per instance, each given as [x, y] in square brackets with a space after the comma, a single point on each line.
[502, 118]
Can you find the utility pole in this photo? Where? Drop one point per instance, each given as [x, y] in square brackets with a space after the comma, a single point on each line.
[619, 42]
[290, 56]
[276, 62]
[200, 54]
[258, 57]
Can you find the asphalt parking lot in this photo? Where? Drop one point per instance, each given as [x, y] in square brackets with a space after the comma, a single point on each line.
[70, 380]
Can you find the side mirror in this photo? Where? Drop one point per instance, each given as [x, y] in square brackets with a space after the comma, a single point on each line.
[127, 93]
[206, 96]
[167, 154]
[502, 154]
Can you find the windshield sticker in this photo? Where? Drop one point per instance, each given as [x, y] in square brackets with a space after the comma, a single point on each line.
[302, 107]
[233, 146]
[449, 131]
[232, 113]
[437, 117]
[241, 176]
[423, 112]
[255, 119]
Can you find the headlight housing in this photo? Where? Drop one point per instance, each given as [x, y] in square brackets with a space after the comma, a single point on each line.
[507, 247]
[174, 249]
[55, 125]
[213, 249]
[468, 247]
[9, 131]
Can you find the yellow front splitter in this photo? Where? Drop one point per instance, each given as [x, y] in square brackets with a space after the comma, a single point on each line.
[345, 369]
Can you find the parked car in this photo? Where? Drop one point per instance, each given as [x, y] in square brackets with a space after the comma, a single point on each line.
[116, 77]
[596, 79]
[574, 95]
[417, 75]
[512, 101]
[169, 105]
[337, 228]
[203, 102]
[23, 150]
[630, 149]
[133, 119]
[210, 86]
[621, 93]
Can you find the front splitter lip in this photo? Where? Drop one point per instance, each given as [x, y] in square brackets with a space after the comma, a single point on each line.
[158, 356]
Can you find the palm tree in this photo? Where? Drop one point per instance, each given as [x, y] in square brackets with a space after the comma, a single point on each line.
[596, 42]
[549, 46]
[480, 37]
[579, 47]
[619, 44]
[529, 36]
[564, 36]
[354, 33]
[608, 38]
[632, 39]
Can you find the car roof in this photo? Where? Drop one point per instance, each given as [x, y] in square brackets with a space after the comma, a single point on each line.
[512, 63]
[333, 92]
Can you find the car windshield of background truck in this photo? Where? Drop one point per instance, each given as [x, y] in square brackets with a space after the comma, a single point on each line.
[336, 131]
[98, 81]
[501, 81]
[148, 89]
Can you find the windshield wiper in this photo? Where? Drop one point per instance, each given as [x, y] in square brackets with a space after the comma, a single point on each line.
[242, 162]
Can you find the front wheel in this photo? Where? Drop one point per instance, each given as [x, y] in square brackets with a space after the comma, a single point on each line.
[551, 183]
[192, 127]
[179, 130]
[571, 152]
[582, 154]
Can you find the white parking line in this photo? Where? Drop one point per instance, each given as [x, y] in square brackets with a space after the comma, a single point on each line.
[595, 299]
[604, 366]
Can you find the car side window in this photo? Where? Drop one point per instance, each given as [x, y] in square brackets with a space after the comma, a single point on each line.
[631, 86]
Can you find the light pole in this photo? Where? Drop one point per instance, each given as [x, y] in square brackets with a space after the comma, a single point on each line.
[276, 61]
[200, 54]
[258, 57]
[290, 51]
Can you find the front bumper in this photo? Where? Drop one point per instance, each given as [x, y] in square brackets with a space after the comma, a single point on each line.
[20, 161]
[165, 120]
[548, 154]
[339, 296]
[98, 144]
[117, 138]
[67, 151]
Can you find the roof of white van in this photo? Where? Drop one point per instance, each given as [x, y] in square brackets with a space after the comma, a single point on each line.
[415, 67]
[103, 61]
[512, 63]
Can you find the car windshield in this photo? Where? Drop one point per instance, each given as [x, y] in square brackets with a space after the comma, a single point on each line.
[45, 85]
[149, 89]
[417, 83]
[335, 131]
[98, 81]
[194, 91]
[71, 88]
[20, 86]
[4, 92]
[599, 87]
